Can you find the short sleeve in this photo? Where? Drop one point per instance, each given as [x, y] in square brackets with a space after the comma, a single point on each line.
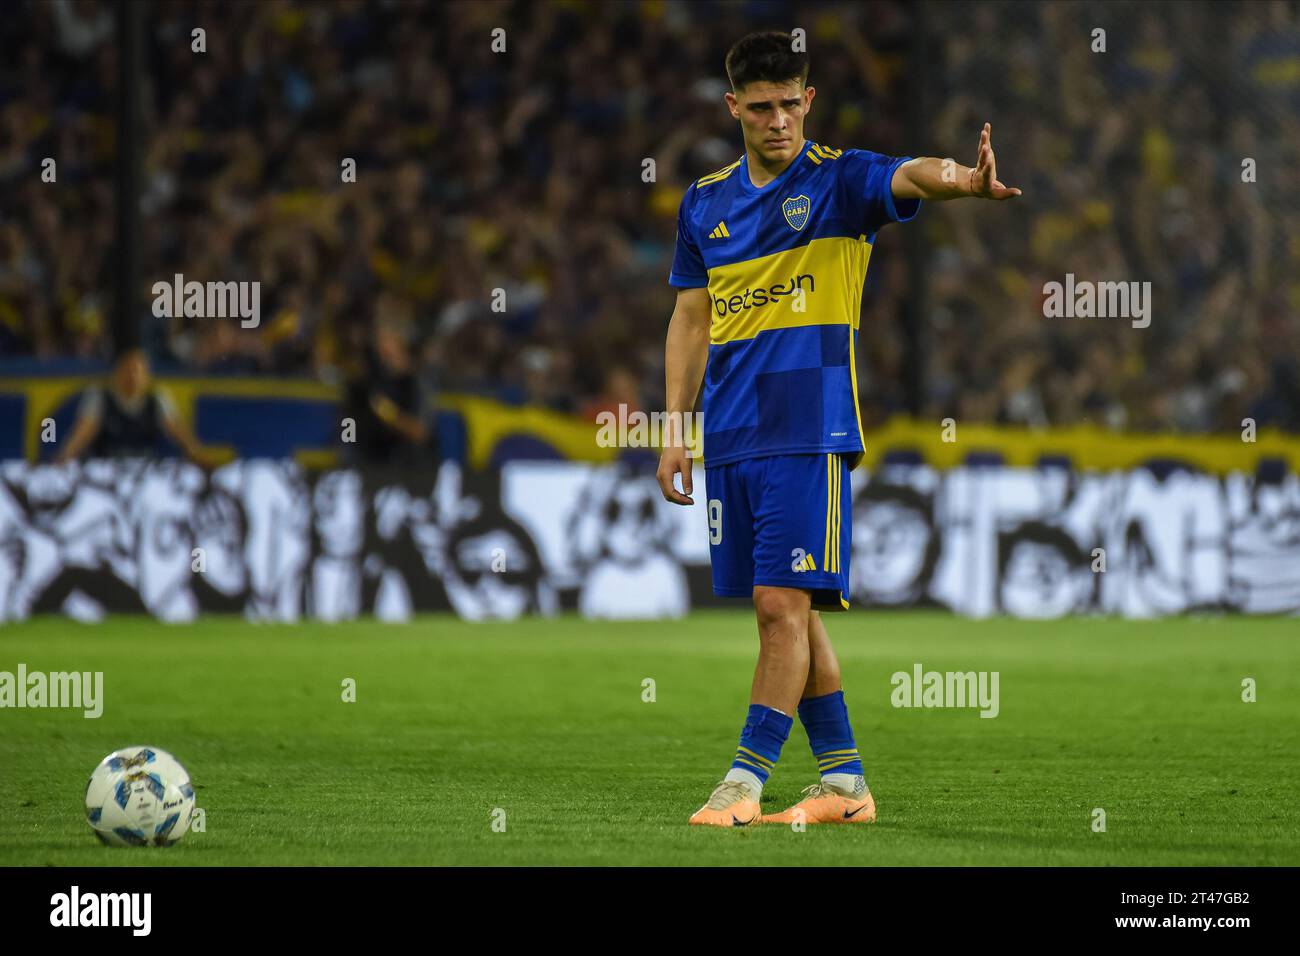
[688, 264]
[91, 406]
[868, 176]
[166, 408]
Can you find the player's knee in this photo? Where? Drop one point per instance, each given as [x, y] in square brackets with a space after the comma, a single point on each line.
[782, 614]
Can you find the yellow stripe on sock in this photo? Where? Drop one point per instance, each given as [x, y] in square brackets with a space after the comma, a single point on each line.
[838, 763]
[840, 759]
[769, 764]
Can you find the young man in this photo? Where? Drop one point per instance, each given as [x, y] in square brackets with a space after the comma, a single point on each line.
[771, 257]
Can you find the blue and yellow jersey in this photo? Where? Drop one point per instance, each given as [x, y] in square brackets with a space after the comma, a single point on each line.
[784, 265]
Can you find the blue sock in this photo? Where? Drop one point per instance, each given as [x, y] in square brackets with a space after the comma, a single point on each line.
[827, 721]
[761, 740]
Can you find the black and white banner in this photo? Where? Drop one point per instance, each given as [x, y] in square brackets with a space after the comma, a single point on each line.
[271, 541]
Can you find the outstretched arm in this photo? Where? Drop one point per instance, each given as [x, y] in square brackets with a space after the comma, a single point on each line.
[83, 433]
[929, 177]
[180, 433]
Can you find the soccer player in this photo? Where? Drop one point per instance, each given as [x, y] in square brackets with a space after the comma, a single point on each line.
[771, 257]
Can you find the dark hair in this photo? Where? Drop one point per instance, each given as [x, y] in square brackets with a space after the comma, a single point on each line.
[765, 57]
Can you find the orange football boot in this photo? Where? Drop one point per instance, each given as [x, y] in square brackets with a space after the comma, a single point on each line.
[824, 805]
[730, 805]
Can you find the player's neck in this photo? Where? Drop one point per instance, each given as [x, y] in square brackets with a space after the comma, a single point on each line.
[757, 167]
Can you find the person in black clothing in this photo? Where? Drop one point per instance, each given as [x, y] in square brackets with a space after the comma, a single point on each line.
[387, 402]
[129, 416]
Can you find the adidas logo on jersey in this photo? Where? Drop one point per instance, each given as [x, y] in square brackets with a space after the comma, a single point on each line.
[720, 232]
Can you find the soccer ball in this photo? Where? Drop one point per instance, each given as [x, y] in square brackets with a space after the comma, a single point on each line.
[139, 796]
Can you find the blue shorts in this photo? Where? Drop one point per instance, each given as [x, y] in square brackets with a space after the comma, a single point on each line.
[781, 521]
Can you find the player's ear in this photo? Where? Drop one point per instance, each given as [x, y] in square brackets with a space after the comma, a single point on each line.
[732, 104]
[808, 94]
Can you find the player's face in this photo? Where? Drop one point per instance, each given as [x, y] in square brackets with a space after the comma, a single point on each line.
[771, 117]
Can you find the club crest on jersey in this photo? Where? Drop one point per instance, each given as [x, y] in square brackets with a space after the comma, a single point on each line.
[796, 211]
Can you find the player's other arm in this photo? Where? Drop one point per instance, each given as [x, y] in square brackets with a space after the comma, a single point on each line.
[89, 416]
[180, 433]
[929, 177]
[685, 355]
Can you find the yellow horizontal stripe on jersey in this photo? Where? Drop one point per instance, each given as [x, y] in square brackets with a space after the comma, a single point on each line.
[757, 295]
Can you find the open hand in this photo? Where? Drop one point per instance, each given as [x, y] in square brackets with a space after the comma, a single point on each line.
[984, 177]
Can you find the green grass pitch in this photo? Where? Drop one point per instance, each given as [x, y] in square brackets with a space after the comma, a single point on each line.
[545, 720]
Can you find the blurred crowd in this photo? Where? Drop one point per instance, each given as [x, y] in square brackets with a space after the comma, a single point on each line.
[1132, 162]
[501, 236]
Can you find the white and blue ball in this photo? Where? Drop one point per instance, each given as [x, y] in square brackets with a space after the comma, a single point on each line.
[139, 796]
